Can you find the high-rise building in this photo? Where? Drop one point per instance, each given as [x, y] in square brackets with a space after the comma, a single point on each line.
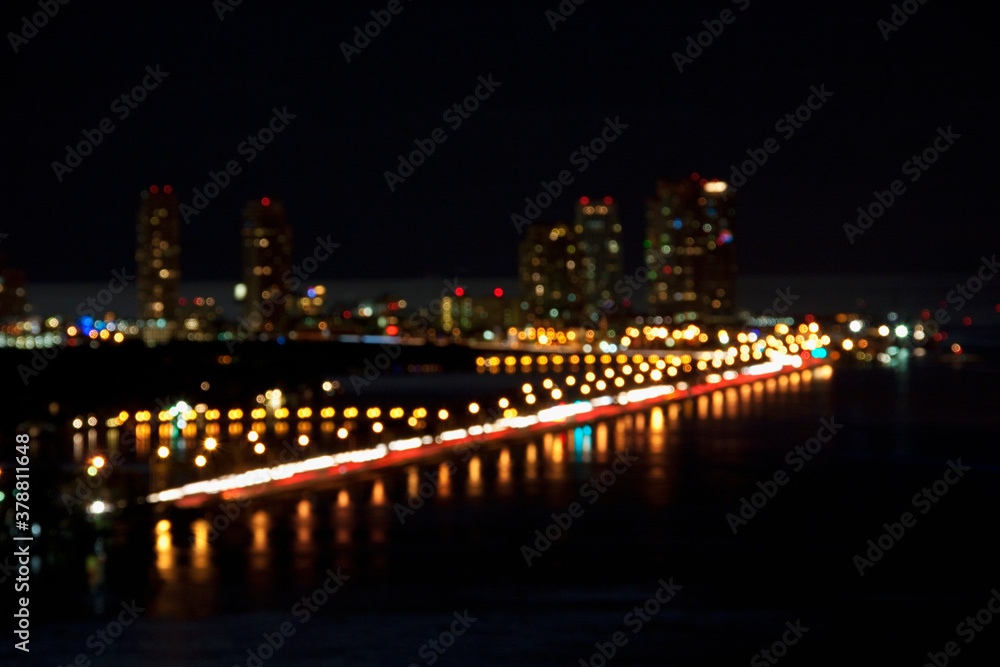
[568, 271]
[690, 252]
[550, 283]
[267, 263]
[598, 254]
[158, 258]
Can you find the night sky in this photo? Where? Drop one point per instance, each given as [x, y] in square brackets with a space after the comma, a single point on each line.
[557, 87]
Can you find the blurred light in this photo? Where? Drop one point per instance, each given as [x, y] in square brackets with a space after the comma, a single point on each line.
[259, 448]
[303, 440]
[98, 462]
[211, 443]
[200, 460]
[163, 452]
[883, 330]
[855, 325]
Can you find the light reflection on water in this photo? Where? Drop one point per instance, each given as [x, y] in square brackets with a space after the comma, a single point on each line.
[359, 526]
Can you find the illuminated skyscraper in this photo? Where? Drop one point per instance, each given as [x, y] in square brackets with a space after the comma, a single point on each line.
[568, 271]
[550, 282]
[690, 251]
[158, 259]
[598, 261]
[267, 263]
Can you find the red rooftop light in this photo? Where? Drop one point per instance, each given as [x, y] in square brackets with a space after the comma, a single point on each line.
[265, 201]
[608, 200]
[459, 291]
[498, 292]
[154, 189]
[584, 200]
[695, 176]
[167, 189]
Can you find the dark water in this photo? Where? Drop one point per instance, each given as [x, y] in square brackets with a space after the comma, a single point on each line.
[662, 518]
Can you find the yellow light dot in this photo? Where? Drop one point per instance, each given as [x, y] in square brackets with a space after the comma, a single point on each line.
[200, 460]
[259, 448]
[530, 398]
[211, 443]
[504, 402]
[342, 433]
[303, 440]
[98, 461]
[252, 436]
[442, 414]
[377, 427]
[473, 408]
[163, 452]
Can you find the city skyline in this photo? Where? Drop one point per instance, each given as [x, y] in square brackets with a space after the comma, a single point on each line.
[806, 146]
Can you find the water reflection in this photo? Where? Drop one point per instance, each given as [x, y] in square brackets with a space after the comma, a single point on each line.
[289, 540]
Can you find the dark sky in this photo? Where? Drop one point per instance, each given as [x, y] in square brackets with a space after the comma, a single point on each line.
[608, 59]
